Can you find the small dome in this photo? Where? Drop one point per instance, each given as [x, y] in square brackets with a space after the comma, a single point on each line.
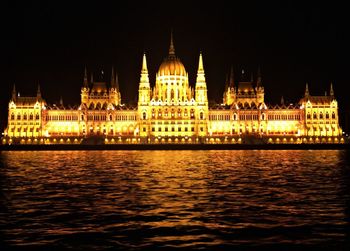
[171, 66]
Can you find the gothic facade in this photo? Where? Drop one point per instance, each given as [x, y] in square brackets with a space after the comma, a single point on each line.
[172, 111]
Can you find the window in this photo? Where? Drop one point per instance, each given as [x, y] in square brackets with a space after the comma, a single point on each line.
[333, 115]
[31, 116]
[192, 129]
[201, 115]
[18, 116]
[36, 116]
[159, 129]
[110, 116]
[12, 116]
[144, 129]
[315, 115]
[166, 129]
[144, 115]
[327, 115]
[308, 116]
[263, 116]
[321, 115]
[153, 129]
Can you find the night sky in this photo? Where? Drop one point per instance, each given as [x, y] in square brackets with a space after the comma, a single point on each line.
[294, 43]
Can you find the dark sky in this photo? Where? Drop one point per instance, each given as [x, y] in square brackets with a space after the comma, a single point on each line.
[50, 43]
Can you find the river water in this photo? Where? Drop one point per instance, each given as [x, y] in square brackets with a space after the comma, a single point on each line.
[164, 200]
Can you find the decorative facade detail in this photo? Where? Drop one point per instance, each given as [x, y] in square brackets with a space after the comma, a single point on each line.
[173, 111]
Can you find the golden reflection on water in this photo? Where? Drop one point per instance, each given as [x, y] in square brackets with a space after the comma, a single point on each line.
[191, 198]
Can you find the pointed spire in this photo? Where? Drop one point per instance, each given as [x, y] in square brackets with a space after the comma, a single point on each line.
[61, 101]
[258, 81]
[251, 77]
[200, 73]
[116, 81]
[144, 64]
[14, 93]
[232, 78]
[306, 90]
[85, 78]
[38, 92]
[200, 64]
[92, 77]
[144, 80]
[227, 82]
[112, 78]
[331, 91]
[171, 48]
[282, 100]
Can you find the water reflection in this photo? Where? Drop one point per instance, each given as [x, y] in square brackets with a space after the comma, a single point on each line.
[188, 199]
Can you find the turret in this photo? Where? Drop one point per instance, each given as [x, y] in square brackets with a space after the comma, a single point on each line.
[38, 92]
[14, 93]
[331, 92]
[114, 90]
[307, 94]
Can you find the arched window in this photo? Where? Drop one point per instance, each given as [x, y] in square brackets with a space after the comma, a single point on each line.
[37, 116]
[25, 116]
[98, 106]
[12, 116]
[18, 116]
[327, 115]
[159, 113]
[91, 106]
[333, 115]
[172, 113]
[234, 116]
[263, 116]
[185, 113]
[153, 113]
[179, 113]
[315, 115]
[31, 116]
[172, 95]
[144, 116]
[308, 116]
[321, 115]
[192, 114]
[110, 117]
[201, 116]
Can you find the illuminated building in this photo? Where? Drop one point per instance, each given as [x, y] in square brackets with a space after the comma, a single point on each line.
[173, 112]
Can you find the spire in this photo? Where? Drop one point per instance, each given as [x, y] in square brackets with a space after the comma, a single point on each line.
[226, 82]
[112, 78]
[116, 81]
[14, 93]
[92, 77]
[251, 77]
[282, 100]
[85, 78]
[144, 64]
[200, 64]
[38, 92]
[171, 48]
[258, 81]
[200, 72]
[331, 92]
[61, 101]
[144, 80]
[306, 90]
[232, 78]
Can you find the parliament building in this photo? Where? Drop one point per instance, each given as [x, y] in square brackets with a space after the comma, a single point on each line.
[173, 112]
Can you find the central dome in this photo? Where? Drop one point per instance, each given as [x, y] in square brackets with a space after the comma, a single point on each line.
[171, 64]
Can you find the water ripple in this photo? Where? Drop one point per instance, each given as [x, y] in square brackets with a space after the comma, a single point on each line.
[135, 200]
